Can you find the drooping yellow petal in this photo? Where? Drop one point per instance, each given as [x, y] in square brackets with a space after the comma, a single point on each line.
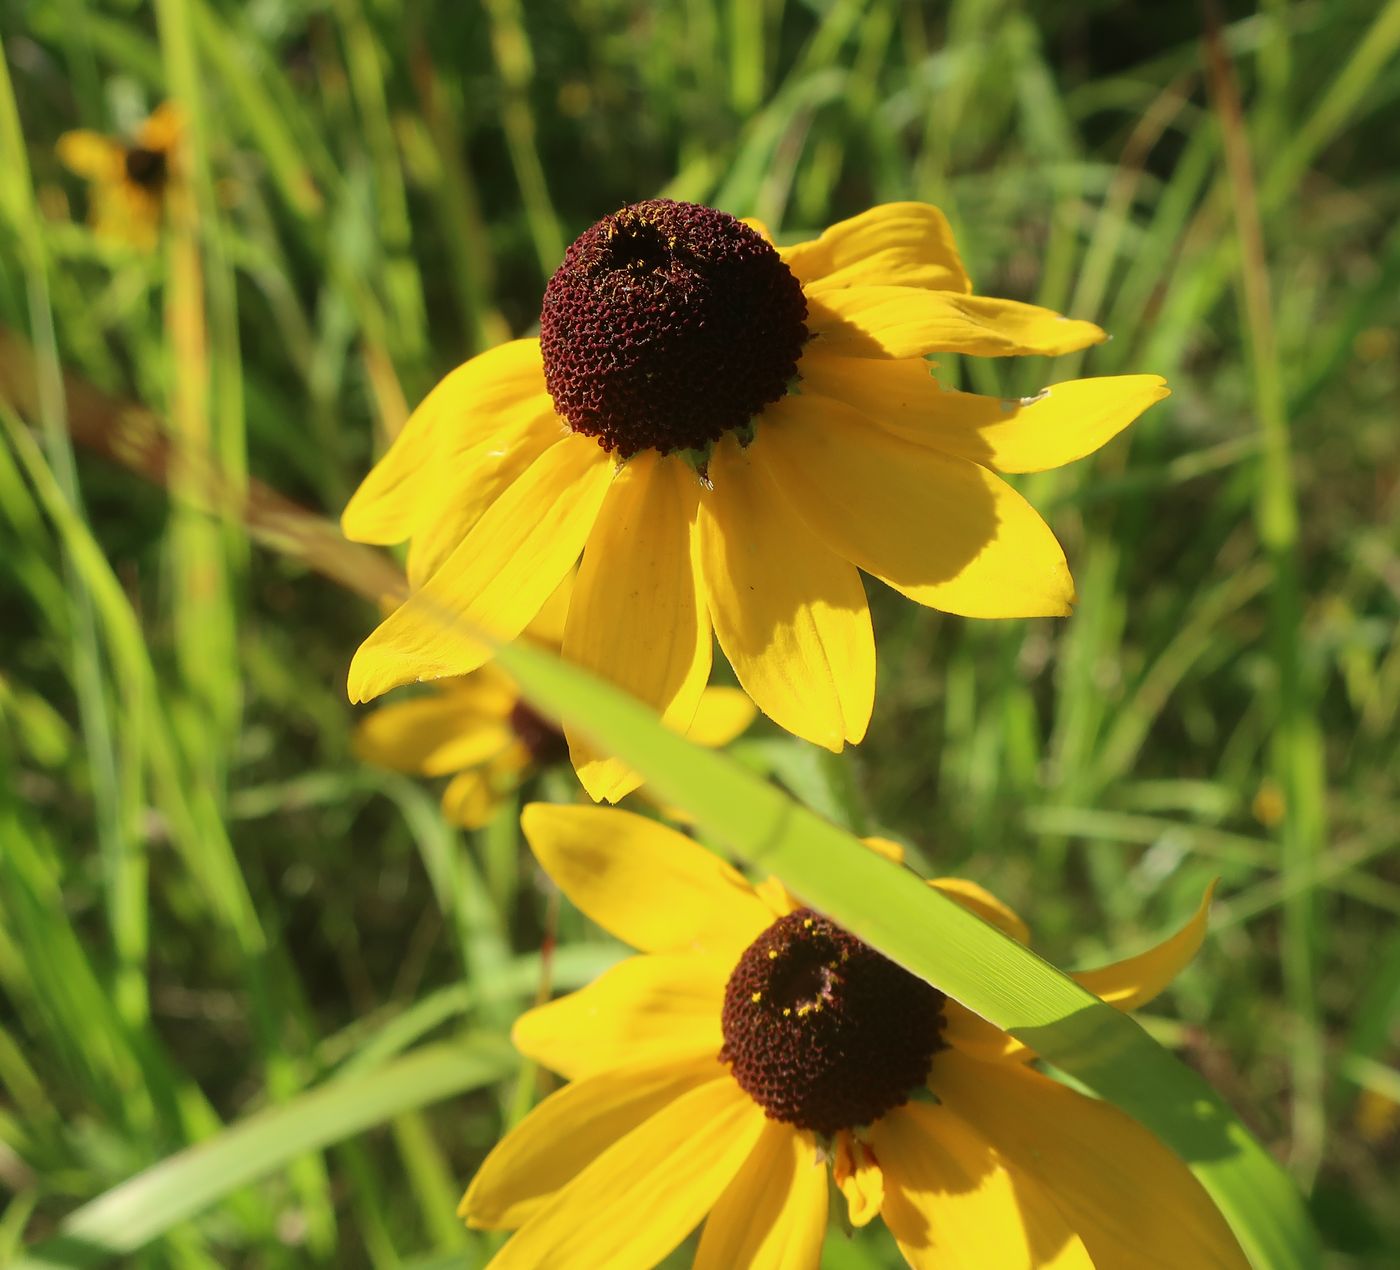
[1058, 425]
[723, 713]
[470, 482]
[1135, 981]
[1131, 1200]
[471, 798]
[943, 531]
[895, 244]
[652, 887]
[430, 735]
[979, 900]
[857, 1174]
[791, 616]
[646, 1192]
[638, 617]
[91, 155]
[468, 408]
[951, 1203]
[568, 1131]
[498, 577]
[642, 1008]
[772, 1216]
[871, 321]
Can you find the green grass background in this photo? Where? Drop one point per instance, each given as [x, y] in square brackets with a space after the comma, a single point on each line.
[211, 916]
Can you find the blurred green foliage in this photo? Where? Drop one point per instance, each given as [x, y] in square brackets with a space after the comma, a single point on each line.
[210, 912]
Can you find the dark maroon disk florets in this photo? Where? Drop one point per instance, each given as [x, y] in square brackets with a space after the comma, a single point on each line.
[667, 325]
[539, 735]
[822, 1031]
[146, 168]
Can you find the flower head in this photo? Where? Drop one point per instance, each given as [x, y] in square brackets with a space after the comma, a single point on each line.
[478, 730]
[130, 182]
[728, 433]
[754, 1048]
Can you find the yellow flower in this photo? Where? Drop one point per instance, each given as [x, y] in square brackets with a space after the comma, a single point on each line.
[478, 730]
[130, 183]
[753, 1045]
[728, 433]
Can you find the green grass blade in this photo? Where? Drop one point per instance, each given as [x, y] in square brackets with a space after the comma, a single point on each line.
[132, 1214]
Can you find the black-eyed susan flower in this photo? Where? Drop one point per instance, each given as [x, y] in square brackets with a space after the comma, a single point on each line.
[728, 433]
[129, 182]
[479, 731]
[754, 1048]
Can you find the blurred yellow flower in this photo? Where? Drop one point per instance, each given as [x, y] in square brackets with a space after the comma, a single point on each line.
[129, 183]
[479, 731]
[728, 433]
[753, 1045]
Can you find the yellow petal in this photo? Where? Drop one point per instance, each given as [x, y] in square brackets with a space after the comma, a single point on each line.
[892, 851]
[460, 415]
[772, 1216]
[857, 1174]
[896, 244]
[1135, 981]
[453, 504]
[646, 1192]
[161, 130]
[979, 900]
[471, 798]
[758, 227]
[430, 735]
[638, 618]
[1131, 1200]
[791, 616]
[778, 899]
[91, 155]
[950, 1202]
[568, 1131]
[970, 1034]
[1058, 425]
[547, 626]
[649, 885]
[498, 577]
[869, 321]
[640, 1009]
[723, 713]
[943, 531]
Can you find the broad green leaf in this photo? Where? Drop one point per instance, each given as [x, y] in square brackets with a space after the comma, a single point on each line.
[179, 1187]
[1001, 980]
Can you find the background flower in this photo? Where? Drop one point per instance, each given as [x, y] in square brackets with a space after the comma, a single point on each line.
[129, 182]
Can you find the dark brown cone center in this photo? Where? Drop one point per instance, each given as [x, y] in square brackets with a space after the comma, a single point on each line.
[667, 325]
[822, 1031]
[146, 168]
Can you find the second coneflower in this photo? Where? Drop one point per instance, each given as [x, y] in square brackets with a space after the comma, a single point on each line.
[728, 432]
[754, 1049]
